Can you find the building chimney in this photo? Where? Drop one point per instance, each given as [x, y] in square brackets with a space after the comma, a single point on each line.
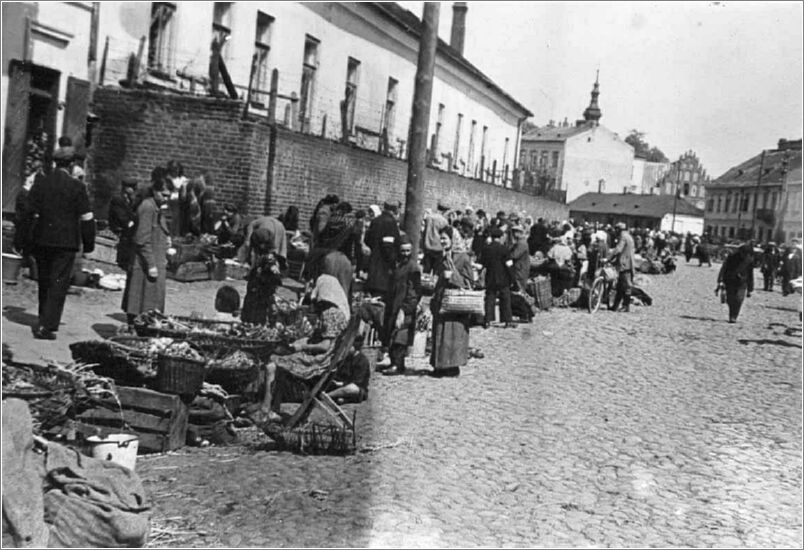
[458, 26]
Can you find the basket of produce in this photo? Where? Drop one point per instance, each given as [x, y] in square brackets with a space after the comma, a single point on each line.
[156, 324]
[126, 359]
[55, 393]
[458, 300]
[314, 438]
[217, 344]
[237, 372]
[180, 369]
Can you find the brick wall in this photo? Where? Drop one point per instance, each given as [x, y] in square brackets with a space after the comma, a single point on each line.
[139, 130]
[306, 168]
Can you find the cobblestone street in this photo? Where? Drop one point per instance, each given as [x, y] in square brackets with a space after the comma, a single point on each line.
[663, 427]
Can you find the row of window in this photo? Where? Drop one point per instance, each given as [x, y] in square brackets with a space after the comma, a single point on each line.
[539, 159]
[740, 202]
[471, 162]
[759, 234]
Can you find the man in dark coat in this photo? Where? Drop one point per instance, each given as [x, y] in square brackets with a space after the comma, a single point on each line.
[736, 279]
[403, 300]
[538, 239]
[623, 258]
[62, 221]
[497, 261]
[382, 238]
[521, 258]
[769, 265]
[123, 220]
[791, 267]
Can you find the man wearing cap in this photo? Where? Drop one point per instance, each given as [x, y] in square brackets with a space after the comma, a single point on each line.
[62, 220]
[122, 221]
[431, 240]
[498, 264]
[770, 262]
[403, 300]
[382, 238]
[623, 258]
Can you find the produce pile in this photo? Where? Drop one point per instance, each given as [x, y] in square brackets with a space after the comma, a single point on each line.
[54, 392]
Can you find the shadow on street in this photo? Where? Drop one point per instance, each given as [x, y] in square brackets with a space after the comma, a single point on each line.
[19, 316]
[764, 341]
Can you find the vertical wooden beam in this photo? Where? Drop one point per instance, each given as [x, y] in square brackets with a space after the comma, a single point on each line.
[102, 74]
[272, 97]
[420, 118]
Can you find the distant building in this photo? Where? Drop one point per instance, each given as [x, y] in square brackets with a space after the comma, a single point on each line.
[688, 176]
[579, 159]
[647, 176]
[660, 212]
[760, 198]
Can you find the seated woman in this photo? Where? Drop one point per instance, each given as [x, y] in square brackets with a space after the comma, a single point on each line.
[288, 377]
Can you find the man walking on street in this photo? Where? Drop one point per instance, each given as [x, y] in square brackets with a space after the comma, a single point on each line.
[403, 300]
[123, 220]
[431, 245]
[497, 261]
[770, 262]
[62, 221]
[623, 258]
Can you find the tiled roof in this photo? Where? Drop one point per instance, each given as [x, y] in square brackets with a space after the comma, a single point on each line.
[412, 24]
[547, 133]
[649, 206]
[747, 173]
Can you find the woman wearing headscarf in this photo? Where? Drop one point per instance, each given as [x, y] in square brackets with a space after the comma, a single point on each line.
[450, 330]
[288, 377]
[736, 279]
[263, 278]
[145, 284]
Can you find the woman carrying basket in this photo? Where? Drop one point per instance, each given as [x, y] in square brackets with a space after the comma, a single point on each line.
[450, 330]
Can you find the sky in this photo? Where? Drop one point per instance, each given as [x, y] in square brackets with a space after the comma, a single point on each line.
[723, 79]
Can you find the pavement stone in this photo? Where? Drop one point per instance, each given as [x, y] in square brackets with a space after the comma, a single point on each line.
[663, 427]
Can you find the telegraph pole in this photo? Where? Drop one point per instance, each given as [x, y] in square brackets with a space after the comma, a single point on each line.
[756, 193]
[419, 123]
[675, 198]
[779, 218]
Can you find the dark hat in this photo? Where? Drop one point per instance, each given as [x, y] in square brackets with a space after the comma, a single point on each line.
[129, 182]
[501, 214]
[64, 153]
[442, 207]
[404, 239]
[495, 232]
[391, 206]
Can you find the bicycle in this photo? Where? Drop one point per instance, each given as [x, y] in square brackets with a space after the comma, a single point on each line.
[603, 287]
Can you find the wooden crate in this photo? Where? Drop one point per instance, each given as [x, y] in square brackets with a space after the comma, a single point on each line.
[191, 271]
[159, 419]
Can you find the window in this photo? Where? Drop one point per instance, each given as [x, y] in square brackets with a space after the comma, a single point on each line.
[222, 26]
[773, 200]
[744, 203]
[534, 158]
[456, 147]
[736, 204]
[309, 67]
[505, 154]
[709, 229]
[710, 205]
[160, 36]
[555, 159]
[543, 159]
[765, 199]
[686, 189]
[350, 95]
[471, 157]
[731, 232]
[390, 107]
[769, 234]
[262, 46]
[728, 202]
[483, 143]
[437, 135]
[694, 191]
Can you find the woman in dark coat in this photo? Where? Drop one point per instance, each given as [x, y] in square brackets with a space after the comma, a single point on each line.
[736, 279]
[450, 330]
[145, 285]
[263, 279]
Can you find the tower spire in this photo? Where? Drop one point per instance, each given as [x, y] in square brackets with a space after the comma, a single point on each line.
[592, 113]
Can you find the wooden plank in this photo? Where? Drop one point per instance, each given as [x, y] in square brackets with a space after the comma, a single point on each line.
[149, 400]
[326, 400]
[137, 420]
[321, 405]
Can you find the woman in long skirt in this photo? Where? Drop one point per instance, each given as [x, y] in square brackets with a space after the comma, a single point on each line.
[450, 330]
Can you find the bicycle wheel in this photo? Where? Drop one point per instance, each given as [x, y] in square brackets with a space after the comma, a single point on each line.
[596, 294]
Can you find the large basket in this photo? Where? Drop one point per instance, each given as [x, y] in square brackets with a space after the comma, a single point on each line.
[123, 358]
[458, 300]
[314, 439]
[238, 374]
[146, 330]
[218, 345]
[179, 375]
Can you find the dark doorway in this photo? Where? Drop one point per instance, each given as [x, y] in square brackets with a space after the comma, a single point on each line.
[30, 132]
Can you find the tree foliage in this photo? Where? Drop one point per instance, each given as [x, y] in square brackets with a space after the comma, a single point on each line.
[643, 149]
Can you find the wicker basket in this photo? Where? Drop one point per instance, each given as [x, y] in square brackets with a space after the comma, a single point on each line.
[121, 358]
[179, 375]
[219, 345]
[458, 300]
[314, 439]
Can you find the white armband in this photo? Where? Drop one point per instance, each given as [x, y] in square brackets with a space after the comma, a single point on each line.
[87, 217]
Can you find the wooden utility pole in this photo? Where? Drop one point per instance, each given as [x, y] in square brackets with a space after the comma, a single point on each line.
[675, 199]
[778, 222]
[420, 121]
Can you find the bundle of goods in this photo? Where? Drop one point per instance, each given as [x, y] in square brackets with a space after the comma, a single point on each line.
[314, 438]
[128, 360]
[156, 323]
[55, 393]
[568, 298]
[237, 372]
